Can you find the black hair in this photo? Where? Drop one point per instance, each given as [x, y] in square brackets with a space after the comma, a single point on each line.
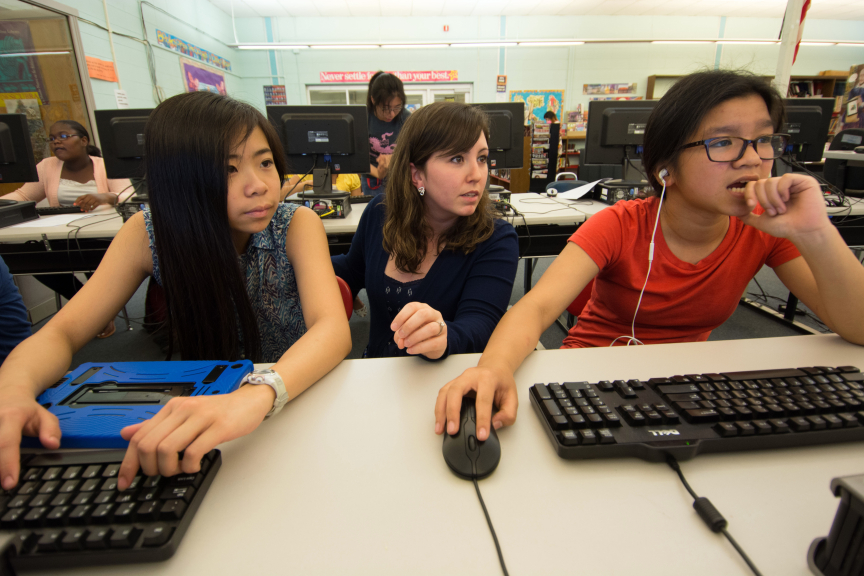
[187, 141]
[81, 131]
[383, 87]
[681, 110]
[549, 115]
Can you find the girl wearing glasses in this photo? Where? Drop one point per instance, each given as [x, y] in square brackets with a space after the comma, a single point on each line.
[73, 176]
[385, 102]
[673, 267]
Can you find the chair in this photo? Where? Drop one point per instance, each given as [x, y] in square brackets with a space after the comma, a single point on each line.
[347, 297]
[838, 172]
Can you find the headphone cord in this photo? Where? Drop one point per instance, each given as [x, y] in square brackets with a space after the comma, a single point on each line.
[489, 521]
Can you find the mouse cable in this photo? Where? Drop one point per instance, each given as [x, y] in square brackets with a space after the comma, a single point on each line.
[491, 529]
[710, 515]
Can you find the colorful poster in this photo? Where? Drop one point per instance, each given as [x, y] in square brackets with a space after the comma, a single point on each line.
[198, 77]
[405, 76]
[275, 95]
[19, 73]
[615, 98]
[27, 103]
[852, 110]
[609, 88]
[538, 102]
[171, 42]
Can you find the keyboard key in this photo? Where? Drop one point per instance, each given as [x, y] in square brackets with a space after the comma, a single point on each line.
[31, 475]
[69, 486]
[124, 537]
[96, 539]
[611, 419]
[780, 426]
[105, 497]
[578, 421]
[92, 471]
[568, 438]
[49, 487]
[125, 513]
[109, 484]
[73, 539]
[605, 436]
[49, 541]
[174, 509]
[111, 471]
[83, 498]
[52, 473]
[12, 518]
[678, 389]
[745, 428]
[41, 500]
[90, 485]
[150, 510]
[18, 502]
[762, 427]
[849, 420]
[726, 429]
[817, 422]
[35, 517]
[799, 424]
[594, 420]
[102, 514]
[701, 416]
[80, 514]
[57, 516]
[587, 437]
[27, 488]
[833, 421]
[72, 473]
[158, 534]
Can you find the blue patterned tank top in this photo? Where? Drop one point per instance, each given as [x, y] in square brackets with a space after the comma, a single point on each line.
[270, 284]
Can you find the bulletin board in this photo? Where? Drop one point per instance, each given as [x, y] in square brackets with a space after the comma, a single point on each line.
[198, 77]
[538, 102]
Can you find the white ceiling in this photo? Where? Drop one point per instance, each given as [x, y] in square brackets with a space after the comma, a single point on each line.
[828, 9]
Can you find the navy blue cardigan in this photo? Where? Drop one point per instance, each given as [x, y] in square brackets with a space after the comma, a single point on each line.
[471, 291]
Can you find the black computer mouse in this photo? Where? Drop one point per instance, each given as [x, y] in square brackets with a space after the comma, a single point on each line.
[859, 149]
[466, 456]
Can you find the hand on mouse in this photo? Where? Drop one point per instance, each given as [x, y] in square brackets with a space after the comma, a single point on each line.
[491, 385]
[421, 330]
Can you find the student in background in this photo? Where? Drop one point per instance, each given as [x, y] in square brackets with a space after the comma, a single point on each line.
[550, 117]
[14, 325]
[673, 267]
[74, 176]
[244, 277]
[385, 103]
[438, 268]
[349, 183]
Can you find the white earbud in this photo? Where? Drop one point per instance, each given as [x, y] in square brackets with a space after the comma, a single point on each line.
[663, 174]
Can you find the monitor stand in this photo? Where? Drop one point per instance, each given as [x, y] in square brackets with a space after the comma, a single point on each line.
[631, 171]
[322, 183]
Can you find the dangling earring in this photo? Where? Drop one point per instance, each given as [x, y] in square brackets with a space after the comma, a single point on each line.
[421, 190]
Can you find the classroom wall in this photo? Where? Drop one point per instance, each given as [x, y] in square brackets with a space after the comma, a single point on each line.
[553, 68]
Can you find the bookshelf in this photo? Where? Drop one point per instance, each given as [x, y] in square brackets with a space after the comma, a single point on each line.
[544, 155]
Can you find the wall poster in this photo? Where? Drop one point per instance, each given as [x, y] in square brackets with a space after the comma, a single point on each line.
[538, 102]
[852, 110]
[198, 77]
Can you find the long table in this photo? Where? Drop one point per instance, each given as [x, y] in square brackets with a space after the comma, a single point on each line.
[349, 479]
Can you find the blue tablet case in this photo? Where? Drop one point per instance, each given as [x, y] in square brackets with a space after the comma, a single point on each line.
[98, 399]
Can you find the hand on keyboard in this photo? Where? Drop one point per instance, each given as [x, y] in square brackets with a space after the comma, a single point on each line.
[194, 425]
[492, 386]
[21, 414]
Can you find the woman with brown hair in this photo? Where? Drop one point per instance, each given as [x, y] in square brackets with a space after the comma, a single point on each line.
[438, 268]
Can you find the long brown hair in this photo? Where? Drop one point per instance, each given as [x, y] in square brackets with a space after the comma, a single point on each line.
[439, 128]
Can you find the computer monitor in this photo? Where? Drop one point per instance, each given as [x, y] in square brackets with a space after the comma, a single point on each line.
[506, 133]
[323, 140]
[121, 134]
[808, 121]
[614, 135]
[17, 163]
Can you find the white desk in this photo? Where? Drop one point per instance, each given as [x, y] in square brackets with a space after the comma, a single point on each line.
[842, 155]
[349, 479]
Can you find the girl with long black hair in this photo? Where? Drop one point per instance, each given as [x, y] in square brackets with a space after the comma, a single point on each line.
[244, 276]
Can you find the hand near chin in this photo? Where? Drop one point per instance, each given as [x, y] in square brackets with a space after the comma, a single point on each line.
[793, 204]
[420, 329]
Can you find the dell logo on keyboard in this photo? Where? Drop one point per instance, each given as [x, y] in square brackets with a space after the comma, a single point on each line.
[664, 432]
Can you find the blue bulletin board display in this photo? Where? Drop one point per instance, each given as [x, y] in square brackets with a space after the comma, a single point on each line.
[538, 102]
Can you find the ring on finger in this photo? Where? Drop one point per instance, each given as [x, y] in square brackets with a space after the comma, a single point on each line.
[441, 327]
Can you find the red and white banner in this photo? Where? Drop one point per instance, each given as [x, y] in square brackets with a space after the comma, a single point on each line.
[405, 76]
[804, 10]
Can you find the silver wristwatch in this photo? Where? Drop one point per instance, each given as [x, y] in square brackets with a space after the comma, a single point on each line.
[272, 379]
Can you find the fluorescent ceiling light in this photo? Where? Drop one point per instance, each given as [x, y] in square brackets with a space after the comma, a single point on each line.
[682, 42]
[856, 44]
[552, 43]
[400, 46]
[344, 46]
[481, 44]
[271, 46]
[818, 43]
[747, 42]
[14, 54]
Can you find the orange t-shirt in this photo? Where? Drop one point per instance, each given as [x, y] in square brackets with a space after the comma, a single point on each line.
[683, 302]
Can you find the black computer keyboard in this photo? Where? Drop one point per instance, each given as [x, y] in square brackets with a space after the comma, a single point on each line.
[360, 199]
[68, 512]
[700, 413]
[54, 210]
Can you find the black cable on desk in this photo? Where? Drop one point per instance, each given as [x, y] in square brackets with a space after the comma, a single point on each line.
[709, 514]
[491, 529]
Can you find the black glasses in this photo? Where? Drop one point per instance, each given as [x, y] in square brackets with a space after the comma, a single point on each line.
[63, 136]
[388, 109]
[732, 148]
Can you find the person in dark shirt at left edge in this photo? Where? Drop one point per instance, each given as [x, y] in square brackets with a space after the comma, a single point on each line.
[14, 325]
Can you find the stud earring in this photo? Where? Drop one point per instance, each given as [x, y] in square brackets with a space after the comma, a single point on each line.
[421, 190]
